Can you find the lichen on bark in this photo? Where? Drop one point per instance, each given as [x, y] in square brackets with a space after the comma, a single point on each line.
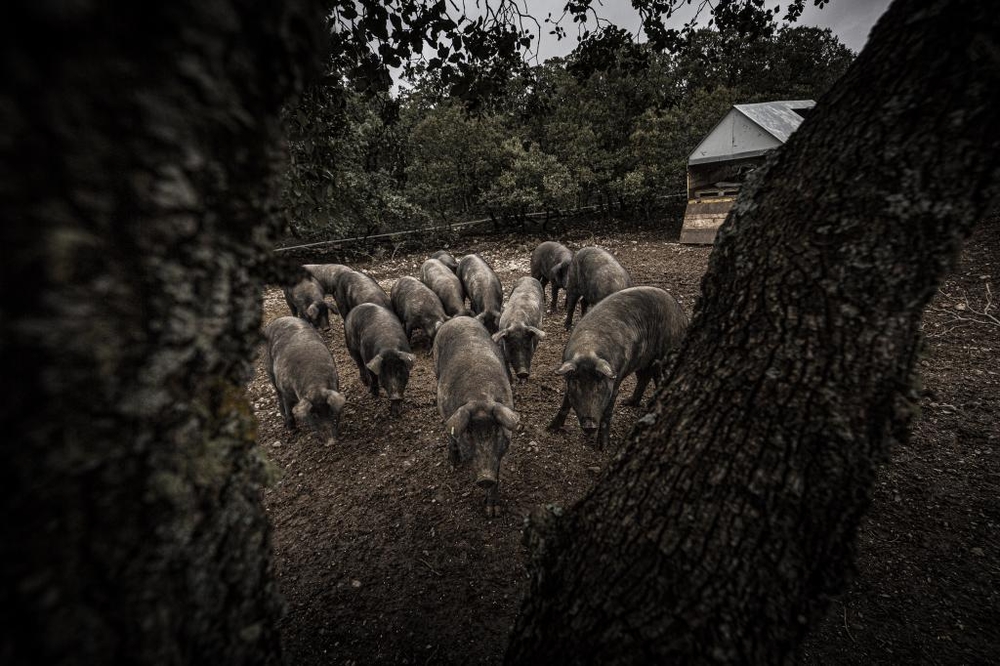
[138, 188]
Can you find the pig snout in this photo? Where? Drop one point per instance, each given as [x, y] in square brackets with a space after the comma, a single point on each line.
[395, 406]
[486, 479]
[522, 374]
[589, 426]
[487, 472]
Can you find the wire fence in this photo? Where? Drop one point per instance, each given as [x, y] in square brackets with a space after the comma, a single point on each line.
[457, 226]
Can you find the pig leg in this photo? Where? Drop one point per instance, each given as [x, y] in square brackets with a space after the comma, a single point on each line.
[454, 457]
[560, 420]
[604, 428]
[372, 382]
[571, 299]
[642, 381]
[362, 370]
[583, 306]
[493, 502]
[555, 297]
[506, 361]
[285, 405]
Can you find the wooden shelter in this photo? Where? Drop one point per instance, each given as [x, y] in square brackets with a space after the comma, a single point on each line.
[719, 165]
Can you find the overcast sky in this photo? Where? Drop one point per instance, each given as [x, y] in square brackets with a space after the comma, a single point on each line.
[850, 20]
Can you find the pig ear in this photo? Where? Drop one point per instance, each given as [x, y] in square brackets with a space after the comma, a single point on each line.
[481, 316]
[458, 422]
[604, 368]
[438, 325]
[375, 365]
[407, 358]
[301, 409]
[499, 334]
[336, 401]
[505, 416]
[567, 367]
[312, 311]
[537, 332]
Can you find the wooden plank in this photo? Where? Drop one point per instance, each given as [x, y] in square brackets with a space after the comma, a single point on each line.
[698, 236]
[703, 219]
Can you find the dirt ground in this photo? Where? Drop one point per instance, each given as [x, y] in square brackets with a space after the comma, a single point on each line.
[385, 555]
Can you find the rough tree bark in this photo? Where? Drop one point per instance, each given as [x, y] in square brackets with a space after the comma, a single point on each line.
[729, 516]
[139, 149]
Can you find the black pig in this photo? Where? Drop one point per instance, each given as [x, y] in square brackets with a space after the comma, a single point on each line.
[631, 330]
[305, 300]
[355, 288]
[417, 306]
[327, 275]
[475, 400]
[483, 288]
[520, 325]
[378, 345]
[550, 263]
[445, 285]
[304, 376]
[593, 274]
[446, 259]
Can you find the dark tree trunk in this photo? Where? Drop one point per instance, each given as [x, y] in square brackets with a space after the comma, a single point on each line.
[730, 514]
[139, 155]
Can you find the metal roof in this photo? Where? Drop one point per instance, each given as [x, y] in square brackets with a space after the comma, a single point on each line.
[730, 140]
[777, 118]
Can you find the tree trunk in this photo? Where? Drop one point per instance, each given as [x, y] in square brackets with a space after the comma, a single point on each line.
[139, 160]
[729, 516]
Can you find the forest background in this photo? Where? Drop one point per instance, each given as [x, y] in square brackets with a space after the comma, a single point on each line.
[610, 125]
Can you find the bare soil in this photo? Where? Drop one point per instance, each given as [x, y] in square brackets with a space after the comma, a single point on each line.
[385, 555]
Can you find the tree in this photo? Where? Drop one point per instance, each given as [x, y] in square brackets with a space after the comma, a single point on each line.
[662, 142]
[346, 165]
[453, 158]
[529, 180]
[141, 157]
[730, 515]
[140, 175]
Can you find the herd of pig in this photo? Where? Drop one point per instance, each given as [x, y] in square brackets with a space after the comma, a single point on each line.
[623, 330]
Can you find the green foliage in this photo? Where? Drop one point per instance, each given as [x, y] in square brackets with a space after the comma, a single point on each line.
[345, 167]
[453, 159]
[613, 122]
[662, 141]
[530, 180]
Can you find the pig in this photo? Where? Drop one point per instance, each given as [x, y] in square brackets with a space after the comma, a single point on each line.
[483, 288]
[304, 376]
[327, 275]
[520, 325]
[417, 307]
[475, 400]
[631, 330]
[378, 345]
[355, 288]
[446, 259]
[305, 300]
[550, 263]
[446, 285]
[593, 274]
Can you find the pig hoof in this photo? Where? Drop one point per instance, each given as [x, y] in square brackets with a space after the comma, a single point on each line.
[631, 403]
[554, 427]
[492, 511]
